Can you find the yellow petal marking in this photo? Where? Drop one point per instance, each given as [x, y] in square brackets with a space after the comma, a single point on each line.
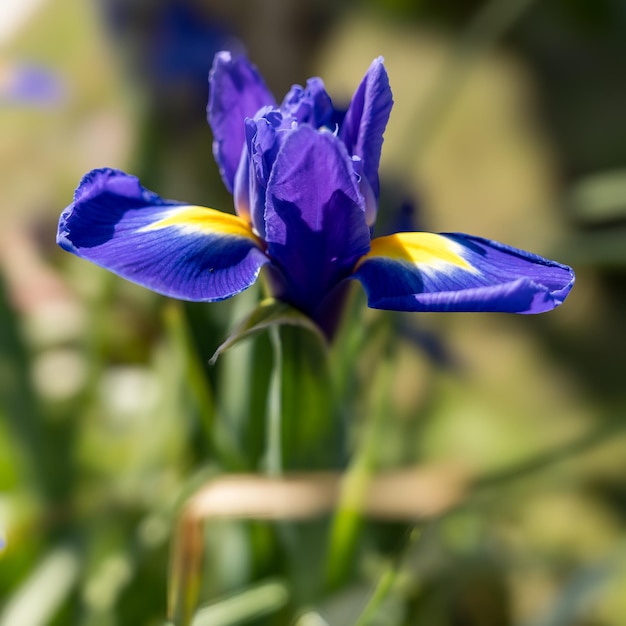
[418, 248]
[203, 219]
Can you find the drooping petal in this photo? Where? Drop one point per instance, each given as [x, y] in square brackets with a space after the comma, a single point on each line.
[314, 219]
[182, 251]
[236, 91]
[456, 272]
[365, 121]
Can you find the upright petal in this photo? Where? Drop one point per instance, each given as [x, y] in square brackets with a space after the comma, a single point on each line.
[182, 251]
[455, 272]
[241, 187]
[262, 146]
[365, 121]
[314, 219]
[236, 91]
[310, 104]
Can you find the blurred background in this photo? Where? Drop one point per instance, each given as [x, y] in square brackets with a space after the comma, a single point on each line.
[509, 123]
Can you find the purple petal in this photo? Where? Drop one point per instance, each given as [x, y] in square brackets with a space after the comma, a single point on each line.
[262, 139]
[455, 272]
[310, 104]
[365, 121]
[241, 184]
[314, 219]
[182, 251]
[236, 91]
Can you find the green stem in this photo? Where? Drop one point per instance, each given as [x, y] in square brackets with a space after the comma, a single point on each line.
[274, 457]
[386, 583]
[347, 522]
[380, 593]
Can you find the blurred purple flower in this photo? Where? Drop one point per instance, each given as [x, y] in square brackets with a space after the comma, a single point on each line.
[305, 184]
[169, 45]
[29, 84]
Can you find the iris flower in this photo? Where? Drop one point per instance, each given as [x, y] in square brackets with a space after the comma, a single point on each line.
[304, 176]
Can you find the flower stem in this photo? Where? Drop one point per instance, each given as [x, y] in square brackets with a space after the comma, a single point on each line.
[274, 457]
[347, 522]
[386, 583]
[380, 593]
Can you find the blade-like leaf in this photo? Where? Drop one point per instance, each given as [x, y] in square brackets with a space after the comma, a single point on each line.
[269, 312]
[17, 398]
[37, 600]
[199, 388]
[254, 602]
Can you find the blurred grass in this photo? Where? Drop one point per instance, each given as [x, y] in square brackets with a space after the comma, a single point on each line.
[92, 480]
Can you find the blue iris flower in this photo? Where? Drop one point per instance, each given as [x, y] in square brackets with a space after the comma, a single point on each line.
[305, 182]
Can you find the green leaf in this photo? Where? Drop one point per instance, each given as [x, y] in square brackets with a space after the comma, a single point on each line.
[251, 603]
[268, 313]
[242, 376]
[17, 397]
[37, 600]
[198, 386]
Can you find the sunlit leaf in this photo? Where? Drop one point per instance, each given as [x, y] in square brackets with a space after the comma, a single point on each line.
[251, 603]
[268, 313]
[37, 600]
